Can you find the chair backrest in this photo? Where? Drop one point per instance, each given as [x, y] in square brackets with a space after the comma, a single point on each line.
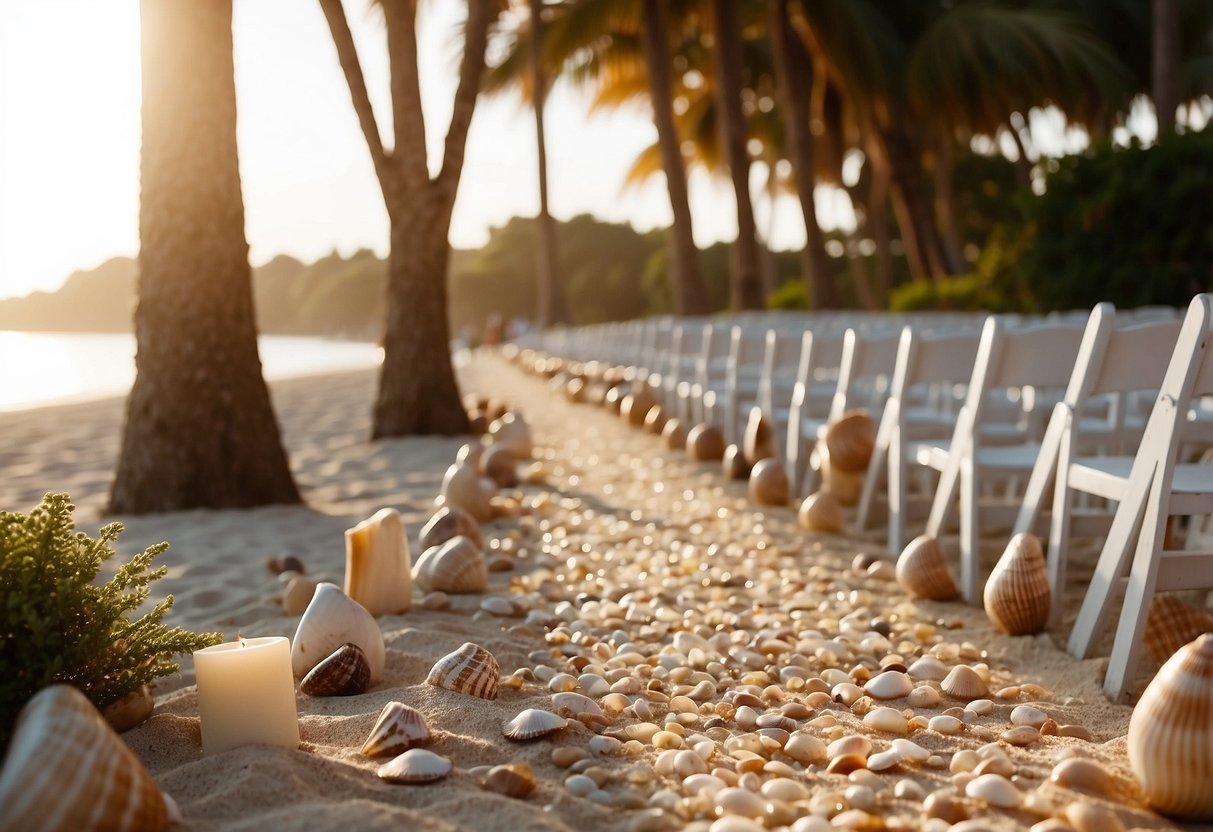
[820, 362]
[933, 358]
[712, 366]
[866, 370]
[780, 362]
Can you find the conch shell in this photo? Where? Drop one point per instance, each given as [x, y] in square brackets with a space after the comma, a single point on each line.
[377, 567]
[769, 484]
[448, 522]
[850, 440]
[464, 488]
[1171, 624]
[511, 431]
[1017, 594]
[705, 443]
[471, 669]
[922, 572]
[821, 512]
[331, 620]
[759, 439]
[456, 566]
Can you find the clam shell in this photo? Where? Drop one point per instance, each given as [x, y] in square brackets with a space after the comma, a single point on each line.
[471, 669]
[331, 620]
[892, 684]
[1171, 734]
[1017, 594]
[417, 765]
[655, 421]
[734, 464]
[675, 435]
[511, 431]
[398, 729]
[963, 682]
[499, 464]
[1172, 623]
[512, 780]
[758, 442]
[463, 487]
[573, 704]
[344, 673]
[67, 769]
[377, 566]
[455, 567]
[532, 724]
[705, 443]
[1085, 775]
[448, 522]
[821, 513]
[850, 440]
[769, 484]
[922, 572]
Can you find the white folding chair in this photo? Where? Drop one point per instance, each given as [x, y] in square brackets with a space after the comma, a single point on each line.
[812, 396]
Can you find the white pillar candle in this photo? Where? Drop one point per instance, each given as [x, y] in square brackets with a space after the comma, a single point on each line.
[246, 694]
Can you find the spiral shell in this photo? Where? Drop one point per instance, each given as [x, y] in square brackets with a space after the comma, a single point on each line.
[850, 440]
[922, 572]
[734, 464]
[67, 769]
[471, 669]
[1171, 624]
[455, 567]
[448, 522]
[769, 484]
[963, 682]
[511, 431]
[759, 439]
[344, 673]
[1017, 594]
[532, 724]
[675, 435]
[417, 765]
[499, 464]
[705, 443]
[463, 487]
[1171, 734]
[330, 620]
[822, 513]
[398, 729]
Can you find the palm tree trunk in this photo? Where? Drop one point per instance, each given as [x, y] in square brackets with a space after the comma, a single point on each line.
[876, 219]
[200, 429]
[553, 308]
[911, 205]
[687, 285]
[746, 283]
[945, 206]
[1166, 62]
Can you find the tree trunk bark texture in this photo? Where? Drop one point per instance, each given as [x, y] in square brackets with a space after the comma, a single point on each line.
[911, 204]
[200, 429]
[876, 218]
[553, 306]
[945, 206]
[1166, 63]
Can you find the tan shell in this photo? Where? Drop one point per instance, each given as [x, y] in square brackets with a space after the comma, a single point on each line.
[448, 522]
[1085, 775]
[298, 594]
[344, 673]
[705, 443]
[532, 724]
[850, 440]
[635, 407]
[455, 567]
[570, 703]
[655, 421]
[1171, 734]
[574, 390]
[331, 620]
[463, 487]
[734, 464]
[471, 669]
[495, 409]
[511, 431]
[846, 486]
[758, 442]
[675, 435]
[377, 564]
[470, 453]
[922, 572]
[131, 710]
[769, 484]
[67, 769]
[398, 729]
[1172, 623]
[417, 765]
[499, 464]
[964, 683]
[1017, 594]
[478, 423]
[512, 780]
[822, 513]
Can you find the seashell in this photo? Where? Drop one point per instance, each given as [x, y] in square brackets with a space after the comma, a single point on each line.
[945, 724]
[377, 566]
[758, 441]
[850, 440]
[655, 421]
[995, 790]
[67, 769]
[1171, 624]
[734, 463]
[511, 431]
[478, 423]
[572, 704]
[290, 563]
[675, 435]
[922, 572]
[471, 669]
[1017, 592]
[574, 390]
[455, 567]
[1027, 715]
[344, 673]
[131, 710]
[963, 683]
[705, 443]
[822, 513]
[945, 806]
[331, 620]
[499, 464]
[1084, 775]
[891, 684]
[398, 729]
[928, 668]
[769, 485]
[435, 601]
[805, 748]
[417, 765]
[889, 720]
[532, 724]
[298, 594]
[448, 522]
[1171, 734]
[846, 486]
[1085, 816]
[464, 488]
[512, 780]
[471, 453]
[635, 407]
[495, 409]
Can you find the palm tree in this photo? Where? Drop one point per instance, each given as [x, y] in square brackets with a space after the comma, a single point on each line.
[418, 393]
[553, 306]
[200, 430]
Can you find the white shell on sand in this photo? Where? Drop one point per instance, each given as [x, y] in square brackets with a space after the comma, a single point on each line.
[464, 488]
[67, 769]
[513, 432]
[455, 567]
[995, 790]
[1017, 595]
[532, 724]
[891, 684]
[331, 620]
[417, 765]
[922, 572]
[398, 729]
[378, 573]
[963, 682]
[471, 669]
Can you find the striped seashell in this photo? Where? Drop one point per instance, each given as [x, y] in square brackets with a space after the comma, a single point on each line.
[511, 780]
[850, 440]
[398, 729]
[471, 669]
[377, 566]
[455, 567]
[769, 484]
[463, 487]
[734, 464]
[963, 682]
[675, 435]
[1172, 623]
[417, 765]
[500, 465]
[922, 572]
[331, 620]
[511, 431]
[1017, 594]
[532, 724]
[67, 769]
[1171, 734]
[821, 513]
[758, 442]
[705, 443]
[448, 522]
[344, 673]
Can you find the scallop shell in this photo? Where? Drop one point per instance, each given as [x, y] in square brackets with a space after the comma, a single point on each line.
[734, 464]
[769, 484]
[131, 710]
[1017, 595]
[963, 682]
[500, 465]
[417, 765]
[705, 443]
[1171, 624]
[675, 435]
[67, 769]
[463, 487]
[635, 407]
[512, 780]
[331, 620]
[344, 673]
[511, 431]
[455, 567]
[532, 724]
[758, 442]
[922, 572]
[377, 566]
[850, 440]
[398, 729]
[471, 669]
[448, 522]
[1171, 734]
[821, 512]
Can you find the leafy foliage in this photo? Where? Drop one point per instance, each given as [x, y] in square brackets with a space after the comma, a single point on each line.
[57, 626]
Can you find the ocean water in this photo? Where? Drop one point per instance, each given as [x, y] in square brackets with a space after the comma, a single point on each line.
[41, 368]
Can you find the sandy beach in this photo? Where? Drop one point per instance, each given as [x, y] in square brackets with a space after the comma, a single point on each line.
[635, 535]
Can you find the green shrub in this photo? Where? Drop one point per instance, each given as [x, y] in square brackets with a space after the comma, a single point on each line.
[963, 293]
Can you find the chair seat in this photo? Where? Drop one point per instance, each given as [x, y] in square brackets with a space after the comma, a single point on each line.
[1108, 477]
[999, 458]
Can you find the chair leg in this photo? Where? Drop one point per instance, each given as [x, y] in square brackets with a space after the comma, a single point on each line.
[970, 538]
[898, 503]
[1059, 536]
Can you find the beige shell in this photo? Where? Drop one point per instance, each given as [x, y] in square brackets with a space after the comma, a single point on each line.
[1171, 734]
[532, 724]
[463, 487]
[448, 522]
[822, 513]
[511, 431]
[344, 673]
[131, 710]
[705, 443]
[769, 484]
[635, 407]
[331, 620]
[417, 765]
[846, 486]
[655, 421]
[471, 670]
[1017, 594]
[298, 594]
[378, 571]
[964, 683]
[67, 769]
[758, 441]
[675, 435]
[495, 409]
[398, 729]
[850, 440]
[512, 780]
[1172, 623]
[570, 703]
[499, 464]
[734, 464]
[1085, 775]
[574, 390]
[455, 567]
[470, 453]
[922, 572]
